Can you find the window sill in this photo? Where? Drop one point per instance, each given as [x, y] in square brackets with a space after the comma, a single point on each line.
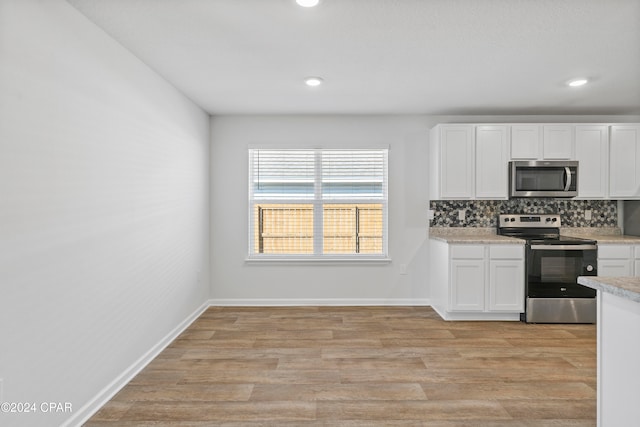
[317, 260]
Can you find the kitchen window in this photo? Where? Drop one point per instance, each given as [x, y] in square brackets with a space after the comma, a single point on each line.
[318, 204]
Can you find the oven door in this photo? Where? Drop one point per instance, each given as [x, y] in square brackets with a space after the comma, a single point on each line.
[553, 270]
[553, 293]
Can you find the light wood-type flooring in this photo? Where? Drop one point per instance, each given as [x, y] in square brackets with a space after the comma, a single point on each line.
[362, 366]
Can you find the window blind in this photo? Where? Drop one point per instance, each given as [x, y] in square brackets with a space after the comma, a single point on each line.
[350, 174]
[283, 174]
[318, 203]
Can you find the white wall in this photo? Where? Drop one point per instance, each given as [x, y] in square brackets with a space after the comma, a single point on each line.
[104, 195]
[236, 282]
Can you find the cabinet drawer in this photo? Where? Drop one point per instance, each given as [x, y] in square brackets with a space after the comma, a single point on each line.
[467, 251]
[614, 251]
[506, 252]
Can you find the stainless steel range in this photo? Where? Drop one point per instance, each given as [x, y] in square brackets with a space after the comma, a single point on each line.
[553, 264]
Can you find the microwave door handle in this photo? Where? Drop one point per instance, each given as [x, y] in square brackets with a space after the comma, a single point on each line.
[567, 171]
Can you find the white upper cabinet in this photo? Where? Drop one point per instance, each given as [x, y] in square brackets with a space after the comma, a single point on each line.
[542, 142]
[452, 160]
[624, 162]
[492, 158]
[525, 142]
[470, 161]
[592, 153]
[557, 142]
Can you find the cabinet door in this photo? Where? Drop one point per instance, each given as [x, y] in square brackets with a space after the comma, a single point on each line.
[615, 267]
[525, 142]
[456, 162]
[557, 142]
[506, 252]
[613, 252]
[492, 162]
[625, 162]
[592, 153]
[467, 285]
[506, 285]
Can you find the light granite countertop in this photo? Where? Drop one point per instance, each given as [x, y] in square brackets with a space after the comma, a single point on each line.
[624, 287]
[471, 235]
[602, 235]
[604, 239]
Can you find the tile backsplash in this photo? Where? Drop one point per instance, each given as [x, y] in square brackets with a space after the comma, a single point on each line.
[484, 213]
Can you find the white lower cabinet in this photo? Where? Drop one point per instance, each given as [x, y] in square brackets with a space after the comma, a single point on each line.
[618, 260]
[468, 277]
[477, 282]
[503, 295]
[615, 267]
[467, 284]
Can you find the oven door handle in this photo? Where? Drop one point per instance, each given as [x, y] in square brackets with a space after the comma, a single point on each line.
[564, 247]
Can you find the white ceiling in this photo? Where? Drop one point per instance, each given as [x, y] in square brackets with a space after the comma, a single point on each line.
[387, 56]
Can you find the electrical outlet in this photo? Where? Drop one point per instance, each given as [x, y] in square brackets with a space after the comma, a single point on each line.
[587, 214]
[403, 269]
[461, 214]
[1, 391]
[431, 213]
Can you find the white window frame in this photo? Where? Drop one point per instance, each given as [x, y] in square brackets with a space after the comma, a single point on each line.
[318, 203]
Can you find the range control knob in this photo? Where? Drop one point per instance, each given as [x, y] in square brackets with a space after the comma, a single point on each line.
[589, 267]
[548, 220]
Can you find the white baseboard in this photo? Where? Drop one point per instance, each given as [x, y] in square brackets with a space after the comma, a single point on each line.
[91, 407]
[266, 302]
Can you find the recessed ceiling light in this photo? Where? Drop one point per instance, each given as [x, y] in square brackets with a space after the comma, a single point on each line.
[577, 82]
[313, 81]
[308, 3]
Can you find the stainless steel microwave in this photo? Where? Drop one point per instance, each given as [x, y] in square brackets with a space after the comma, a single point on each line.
[543, 178]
